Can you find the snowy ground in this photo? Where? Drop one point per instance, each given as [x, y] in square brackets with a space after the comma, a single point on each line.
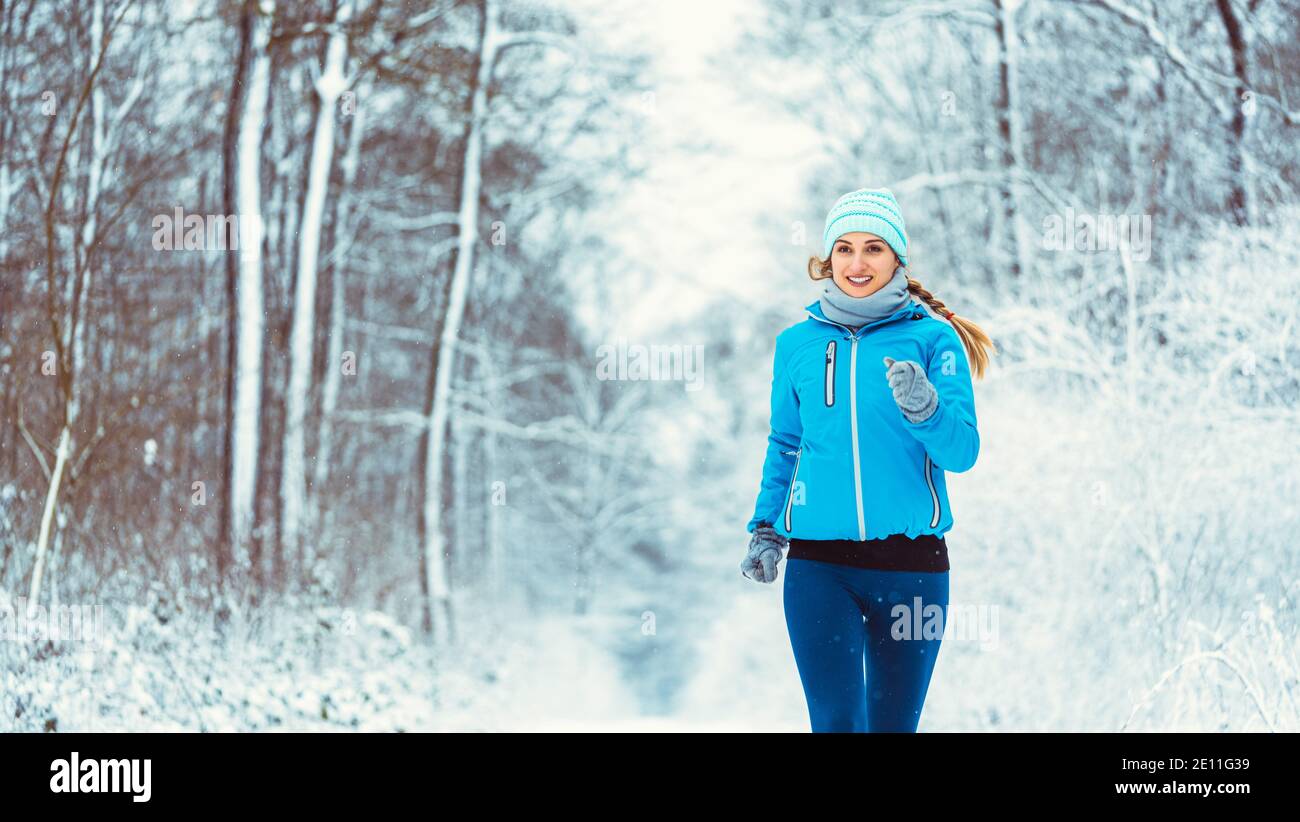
[1123, 601]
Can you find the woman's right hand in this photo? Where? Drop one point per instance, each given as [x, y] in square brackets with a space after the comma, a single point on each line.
[766, 549]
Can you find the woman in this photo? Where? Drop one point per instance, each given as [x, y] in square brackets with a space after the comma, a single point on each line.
[871, 406]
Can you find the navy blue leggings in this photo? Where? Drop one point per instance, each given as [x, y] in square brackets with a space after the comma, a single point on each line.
[839, 615]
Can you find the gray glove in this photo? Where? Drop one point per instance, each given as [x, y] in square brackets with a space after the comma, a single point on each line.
[913, 392]
[766, 549]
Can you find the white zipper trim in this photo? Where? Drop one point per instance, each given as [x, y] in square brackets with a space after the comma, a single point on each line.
[934, 495]
[853, 416]
[789, 499]
[830, 373]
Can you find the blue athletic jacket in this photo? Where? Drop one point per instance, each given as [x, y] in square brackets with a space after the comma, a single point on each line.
[842, 460]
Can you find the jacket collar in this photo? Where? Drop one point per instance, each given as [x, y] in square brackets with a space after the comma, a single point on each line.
[915, 308]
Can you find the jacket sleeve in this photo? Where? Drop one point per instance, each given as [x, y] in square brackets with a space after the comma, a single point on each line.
[786, 435]
[950, 434]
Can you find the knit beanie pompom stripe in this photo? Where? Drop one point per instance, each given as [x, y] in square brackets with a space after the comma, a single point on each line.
[875, 211]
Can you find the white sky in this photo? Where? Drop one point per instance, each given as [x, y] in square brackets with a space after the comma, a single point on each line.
[693, 220]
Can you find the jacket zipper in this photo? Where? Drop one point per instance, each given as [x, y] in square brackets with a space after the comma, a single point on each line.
[853, 416]
[934, 495]
[830, 373]
[789, 499]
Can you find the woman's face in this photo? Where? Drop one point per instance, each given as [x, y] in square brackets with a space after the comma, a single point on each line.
[862, 263]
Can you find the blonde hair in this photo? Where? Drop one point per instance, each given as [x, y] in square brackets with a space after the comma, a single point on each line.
[977, 343]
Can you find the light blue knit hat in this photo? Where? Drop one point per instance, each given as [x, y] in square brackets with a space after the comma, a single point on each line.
[873, 210]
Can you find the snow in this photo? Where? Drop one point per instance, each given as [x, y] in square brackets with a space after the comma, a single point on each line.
[1126, 534]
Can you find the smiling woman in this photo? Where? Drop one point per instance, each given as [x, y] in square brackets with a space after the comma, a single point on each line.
[872, 405]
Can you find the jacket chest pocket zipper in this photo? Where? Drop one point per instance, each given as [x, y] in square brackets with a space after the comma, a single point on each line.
[830, 373]
[934, 494]
[789, 498]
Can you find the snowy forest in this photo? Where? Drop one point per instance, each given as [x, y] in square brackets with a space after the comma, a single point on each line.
[324, 396]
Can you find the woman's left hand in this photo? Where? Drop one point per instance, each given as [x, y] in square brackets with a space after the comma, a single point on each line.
[913, 391]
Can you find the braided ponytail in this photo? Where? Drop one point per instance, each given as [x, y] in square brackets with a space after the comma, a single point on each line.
[977, 343]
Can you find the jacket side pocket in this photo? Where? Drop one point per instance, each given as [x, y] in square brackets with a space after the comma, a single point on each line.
[789, 498]
[934, 492]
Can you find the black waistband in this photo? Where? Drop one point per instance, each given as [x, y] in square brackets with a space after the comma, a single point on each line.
[895, 552]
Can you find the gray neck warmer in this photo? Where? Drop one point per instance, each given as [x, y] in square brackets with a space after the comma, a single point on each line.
[858, 311]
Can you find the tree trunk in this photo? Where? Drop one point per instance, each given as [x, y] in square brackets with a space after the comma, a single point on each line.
[246, 367]
[1010, 131]
[293, 478]
[333, 377]
[1237, 144]
[70, 339]
[437, 605]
